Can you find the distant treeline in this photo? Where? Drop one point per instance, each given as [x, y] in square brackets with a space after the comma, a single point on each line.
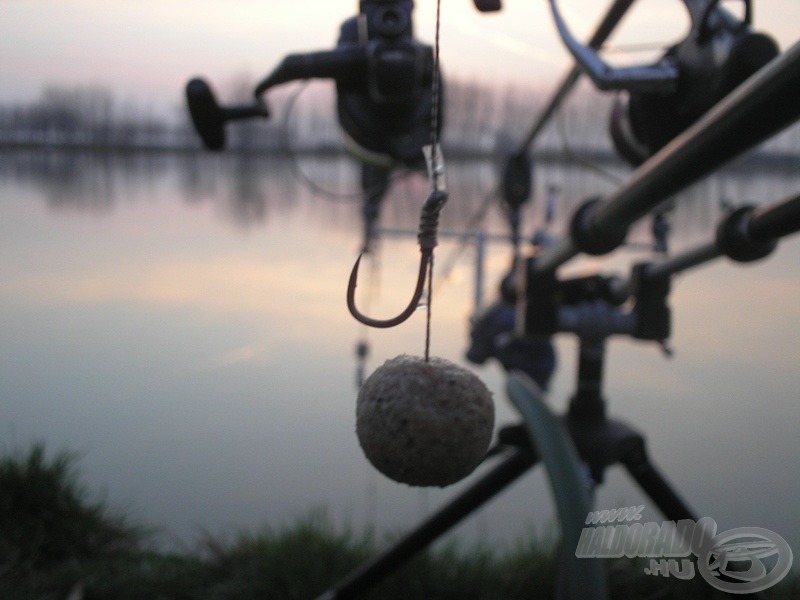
[479, 119]
[476, 117]
[86, 116]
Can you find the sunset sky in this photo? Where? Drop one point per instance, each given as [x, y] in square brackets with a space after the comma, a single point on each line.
[146, 50]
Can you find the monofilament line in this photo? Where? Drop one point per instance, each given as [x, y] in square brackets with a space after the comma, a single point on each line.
[428, 311]
[435, 88]
[435, 91]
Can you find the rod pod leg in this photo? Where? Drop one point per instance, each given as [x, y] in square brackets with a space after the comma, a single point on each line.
[510, 469]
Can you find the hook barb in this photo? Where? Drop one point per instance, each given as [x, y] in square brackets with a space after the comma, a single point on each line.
[403, 316]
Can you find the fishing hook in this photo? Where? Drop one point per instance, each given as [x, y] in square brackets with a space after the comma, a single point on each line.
[409, 310]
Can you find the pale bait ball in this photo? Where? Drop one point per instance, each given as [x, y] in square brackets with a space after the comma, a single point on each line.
[424, 423]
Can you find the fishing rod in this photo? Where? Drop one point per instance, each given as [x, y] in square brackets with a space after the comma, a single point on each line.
[746, 234]
[718, 53]
[761, 107]
[516, 184]
[655, 102]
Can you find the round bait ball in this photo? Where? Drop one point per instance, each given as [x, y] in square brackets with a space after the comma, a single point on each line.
[424, 423]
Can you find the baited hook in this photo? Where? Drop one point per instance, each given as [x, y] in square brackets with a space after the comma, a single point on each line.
[403, 316]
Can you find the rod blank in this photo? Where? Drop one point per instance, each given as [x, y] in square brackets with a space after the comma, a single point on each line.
[776, 220]
[764, 225]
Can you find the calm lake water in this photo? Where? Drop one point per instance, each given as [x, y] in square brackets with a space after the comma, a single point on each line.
[179, 320]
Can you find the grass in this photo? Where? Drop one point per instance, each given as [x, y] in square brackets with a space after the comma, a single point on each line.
[56, 544]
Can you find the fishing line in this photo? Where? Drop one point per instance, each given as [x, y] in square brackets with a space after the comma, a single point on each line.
[437, 172]
[572, 155]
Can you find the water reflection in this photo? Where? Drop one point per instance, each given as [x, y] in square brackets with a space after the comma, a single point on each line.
[180, 319]
[250, 186]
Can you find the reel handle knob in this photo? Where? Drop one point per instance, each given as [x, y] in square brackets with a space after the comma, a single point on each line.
[209, 117]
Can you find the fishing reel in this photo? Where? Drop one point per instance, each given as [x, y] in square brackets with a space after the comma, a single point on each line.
[383, 82]
[660, 101]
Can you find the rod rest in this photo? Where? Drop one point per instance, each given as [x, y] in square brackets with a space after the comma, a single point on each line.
[590, 306]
